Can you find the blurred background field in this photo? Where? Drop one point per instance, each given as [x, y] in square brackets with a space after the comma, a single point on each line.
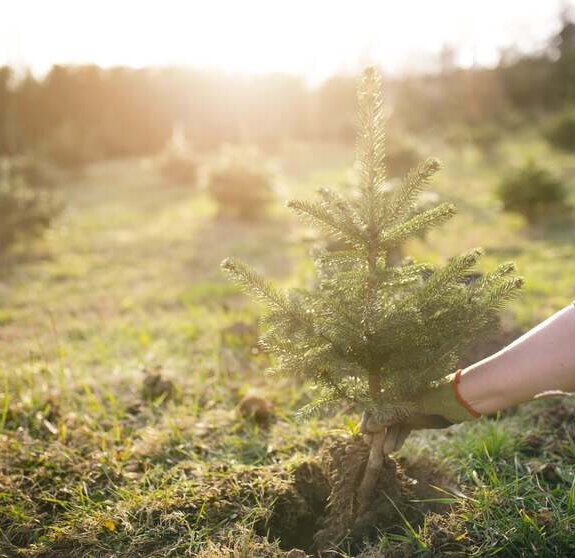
[124, 352]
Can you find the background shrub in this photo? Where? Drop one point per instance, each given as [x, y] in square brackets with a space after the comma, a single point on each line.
[533, 192]
[70, 148]
[561, 132]
[241, 183]
[486, 138]
[24, 212]
[177, 163]
[34, 172]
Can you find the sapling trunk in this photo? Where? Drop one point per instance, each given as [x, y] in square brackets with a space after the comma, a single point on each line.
[376, 459]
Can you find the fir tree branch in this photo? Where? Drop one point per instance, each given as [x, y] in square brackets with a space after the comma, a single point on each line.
[285, 314]
[398, 276]
[404, 198]
[418, 223]
[452, 274]
[321, 216]
[490, 279]
[255, 284]
[329, 263]
[343, 209]
[317, 406]
[503, 292]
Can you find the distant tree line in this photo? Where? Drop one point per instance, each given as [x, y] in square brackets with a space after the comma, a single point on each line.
[85, 112]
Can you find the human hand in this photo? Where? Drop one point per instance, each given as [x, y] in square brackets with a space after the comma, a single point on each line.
[438, 407]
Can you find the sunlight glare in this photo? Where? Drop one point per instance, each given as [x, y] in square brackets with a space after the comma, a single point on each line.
[315, 39]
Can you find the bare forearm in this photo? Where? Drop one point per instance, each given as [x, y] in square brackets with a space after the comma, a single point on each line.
[541, 360]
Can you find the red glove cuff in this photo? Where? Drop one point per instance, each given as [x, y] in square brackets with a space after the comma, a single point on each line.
[460, 399]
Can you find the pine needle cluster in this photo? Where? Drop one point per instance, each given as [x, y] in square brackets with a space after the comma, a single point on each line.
[370, 333]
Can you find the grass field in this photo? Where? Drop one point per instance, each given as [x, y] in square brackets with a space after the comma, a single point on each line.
[98, 459]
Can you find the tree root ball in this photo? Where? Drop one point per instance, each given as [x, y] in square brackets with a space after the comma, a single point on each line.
[319, 511]
[344, 519]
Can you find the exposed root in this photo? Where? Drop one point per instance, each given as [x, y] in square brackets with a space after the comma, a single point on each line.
[357, 509]
[375, 463]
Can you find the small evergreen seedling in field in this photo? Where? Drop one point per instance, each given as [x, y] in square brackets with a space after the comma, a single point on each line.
[534, 192]
[24, 212]
[241, 184]
[177, 163]
[561, 132]
[369, 333]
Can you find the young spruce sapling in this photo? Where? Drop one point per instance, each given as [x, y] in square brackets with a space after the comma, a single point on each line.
[370, 333]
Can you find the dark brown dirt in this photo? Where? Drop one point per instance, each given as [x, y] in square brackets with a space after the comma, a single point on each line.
[318, 512]
[298, 507]
[345, 463]
[555, 423]
[559, 416]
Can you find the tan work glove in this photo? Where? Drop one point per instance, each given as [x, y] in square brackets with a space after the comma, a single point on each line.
[438, 407]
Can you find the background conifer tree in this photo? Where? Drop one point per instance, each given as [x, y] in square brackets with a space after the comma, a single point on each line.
[370, 333]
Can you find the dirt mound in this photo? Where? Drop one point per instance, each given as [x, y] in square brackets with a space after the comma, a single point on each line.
[559, 415]
[318, 511]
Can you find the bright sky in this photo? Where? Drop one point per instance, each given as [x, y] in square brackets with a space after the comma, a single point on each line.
[315, 38]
